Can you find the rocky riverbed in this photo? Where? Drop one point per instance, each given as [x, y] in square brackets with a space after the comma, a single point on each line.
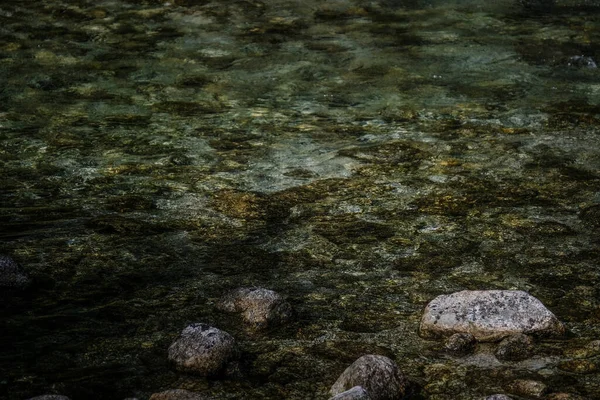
[352, 159]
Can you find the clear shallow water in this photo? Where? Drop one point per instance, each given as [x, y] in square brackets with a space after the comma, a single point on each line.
[358, 157]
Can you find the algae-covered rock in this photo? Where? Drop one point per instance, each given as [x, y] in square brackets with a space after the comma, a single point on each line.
[564, 396]
[202, 349]
[378, 375]
[579, 366]
[460, 344]
[488, 315]
[528, 388]
[515, 348]
[261, 308]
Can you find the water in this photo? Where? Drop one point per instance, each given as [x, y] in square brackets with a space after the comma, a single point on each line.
[358, 157]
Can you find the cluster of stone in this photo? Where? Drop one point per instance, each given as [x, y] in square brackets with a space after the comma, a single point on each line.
[205, 350]
[510, 317]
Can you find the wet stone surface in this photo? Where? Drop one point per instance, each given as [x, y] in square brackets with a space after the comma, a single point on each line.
[360, 158]
[202, 349]
[489, 315]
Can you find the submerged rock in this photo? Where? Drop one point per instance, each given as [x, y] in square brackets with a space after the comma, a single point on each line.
[202, 349]
[488, 315]
[564, 396]
[460, 344]
[515, 348]
[378, 375]
[177, 394]
[591, 215]
[537, 5]
[528, 388]
[260, 307]
[579, 366]
[582, 62]
[497, 397]
[356, 393]
[11, 274]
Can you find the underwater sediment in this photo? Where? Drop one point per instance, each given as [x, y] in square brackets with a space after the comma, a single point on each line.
[357, 158]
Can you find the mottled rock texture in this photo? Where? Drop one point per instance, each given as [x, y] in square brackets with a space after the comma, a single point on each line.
[488, 315]
[202, 349]
[528, 388]
[260, 308]
[516, 347]
[460, 344]
[11, 274]
[378, 375]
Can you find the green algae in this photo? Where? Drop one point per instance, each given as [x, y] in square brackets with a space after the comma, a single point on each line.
[359, 158]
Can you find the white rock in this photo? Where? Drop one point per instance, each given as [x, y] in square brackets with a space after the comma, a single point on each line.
[488, 315]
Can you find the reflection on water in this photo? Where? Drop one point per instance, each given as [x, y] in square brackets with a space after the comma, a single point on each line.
[359, 157]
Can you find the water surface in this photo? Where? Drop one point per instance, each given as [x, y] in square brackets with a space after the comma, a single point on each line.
[359, 157]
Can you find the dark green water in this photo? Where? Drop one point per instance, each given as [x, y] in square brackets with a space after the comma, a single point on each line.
[359, 157]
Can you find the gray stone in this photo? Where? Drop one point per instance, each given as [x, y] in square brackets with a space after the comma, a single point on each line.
[356, 393]
[488, 315]
[516, 347]
[460, 344]
[497, 397]
[378, 375]
[11, 274]
[260, 308]
[177, 394]
[50, 397]
[202, 349]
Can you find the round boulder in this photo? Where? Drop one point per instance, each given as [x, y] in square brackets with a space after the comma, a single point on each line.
[379, 376]
[515, 348]
[202, 349]
[260, 308]
[11, 274]
[489, 315]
